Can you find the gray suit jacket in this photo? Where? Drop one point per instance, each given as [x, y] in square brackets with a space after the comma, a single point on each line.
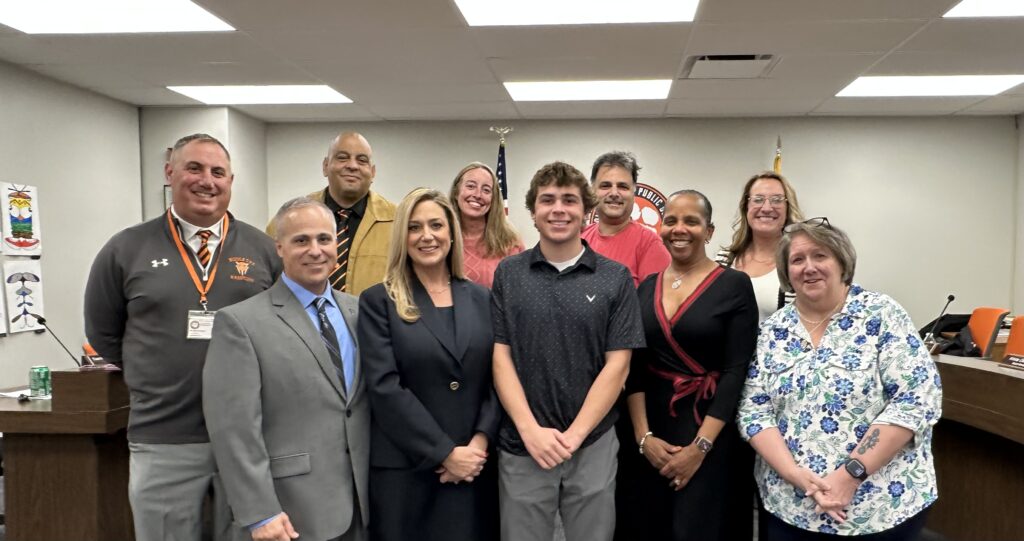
[285, 435]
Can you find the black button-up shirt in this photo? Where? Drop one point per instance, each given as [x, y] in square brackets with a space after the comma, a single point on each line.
[559, 325]
[355, 217]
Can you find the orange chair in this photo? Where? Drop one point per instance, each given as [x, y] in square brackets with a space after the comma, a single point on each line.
[1015, 343]
[984, 325]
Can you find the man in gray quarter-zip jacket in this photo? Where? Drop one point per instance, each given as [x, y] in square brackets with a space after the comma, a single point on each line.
[149, 305]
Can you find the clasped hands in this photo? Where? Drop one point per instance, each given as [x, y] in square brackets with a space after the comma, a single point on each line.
[678, 464]
[832, 493]
[465, 462]
[550, 447]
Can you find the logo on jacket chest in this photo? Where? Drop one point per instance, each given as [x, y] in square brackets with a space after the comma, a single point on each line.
[242, 267]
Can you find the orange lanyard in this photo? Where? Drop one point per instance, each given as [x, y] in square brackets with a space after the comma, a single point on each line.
[203, 290]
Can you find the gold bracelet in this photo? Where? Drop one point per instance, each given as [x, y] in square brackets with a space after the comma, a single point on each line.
[643, 440]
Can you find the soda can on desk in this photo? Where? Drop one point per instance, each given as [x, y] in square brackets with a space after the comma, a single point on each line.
[39, 381]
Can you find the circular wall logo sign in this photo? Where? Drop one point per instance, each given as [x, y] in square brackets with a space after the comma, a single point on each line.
[648, 206]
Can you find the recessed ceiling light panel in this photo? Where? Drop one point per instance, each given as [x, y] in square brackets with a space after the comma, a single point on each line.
[589, 90]
[987, 8]
[108, 16]
[930, 85]
[261, 95]
[548, 12]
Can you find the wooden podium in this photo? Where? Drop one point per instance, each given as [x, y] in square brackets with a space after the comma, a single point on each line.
[978, 447]
[66, 461]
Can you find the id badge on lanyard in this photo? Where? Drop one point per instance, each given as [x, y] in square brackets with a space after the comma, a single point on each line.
[199, 323]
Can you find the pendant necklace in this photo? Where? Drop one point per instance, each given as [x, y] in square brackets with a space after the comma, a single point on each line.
[678, 280]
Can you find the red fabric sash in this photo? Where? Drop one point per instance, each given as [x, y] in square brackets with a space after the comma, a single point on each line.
[703, 383]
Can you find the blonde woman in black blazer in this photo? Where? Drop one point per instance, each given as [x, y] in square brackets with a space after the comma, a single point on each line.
[426, 341]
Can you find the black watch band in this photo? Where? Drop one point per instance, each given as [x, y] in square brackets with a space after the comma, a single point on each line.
[856, 469]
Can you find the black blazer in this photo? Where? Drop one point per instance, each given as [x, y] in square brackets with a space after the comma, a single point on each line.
[427, 395]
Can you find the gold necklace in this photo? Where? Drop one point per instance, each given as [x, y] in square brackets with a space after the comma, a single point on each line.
[442, 290]
[818, 323]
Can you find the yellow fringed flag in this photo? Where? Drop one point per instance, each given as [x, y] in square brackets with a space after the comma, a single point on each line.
[777, 162]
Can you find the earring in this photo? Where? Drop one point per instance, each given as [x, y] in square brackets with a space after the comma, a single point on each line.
[707, 241]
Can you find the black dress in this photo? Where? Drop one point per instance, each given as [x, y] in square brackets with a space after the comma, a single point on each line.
[712, 334]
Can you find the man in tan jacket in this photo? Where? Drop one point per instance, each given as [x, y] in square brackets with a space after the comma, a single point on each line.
[363, 218]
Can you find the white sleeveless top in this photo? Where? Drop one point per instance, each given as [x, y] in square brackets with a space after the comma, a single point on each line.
[766, 291]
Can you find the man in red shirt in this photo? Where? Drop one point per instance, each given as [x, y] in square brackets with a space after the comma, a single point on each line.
[615, 235]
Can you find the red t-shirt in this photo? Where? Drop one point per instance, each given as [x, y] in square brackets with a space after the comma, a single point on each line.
[636, 247]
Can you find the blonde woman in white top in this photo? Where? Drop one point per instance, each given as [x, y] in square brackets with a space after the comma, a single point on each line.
[767, 206]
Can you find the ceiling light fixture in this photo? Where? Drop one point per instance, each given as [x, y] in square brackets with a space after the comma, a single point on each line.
[930, 85]
[549, 12]
[261, 95]
[108, 17]
[589, 90]
[987, 8]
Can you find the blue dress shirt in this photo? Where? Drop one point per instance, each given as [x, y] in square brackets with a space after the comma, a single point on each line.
[346, 344]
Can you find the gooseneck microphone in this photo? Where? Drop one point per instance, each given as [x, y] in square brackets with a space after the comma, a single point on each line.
[42, 321]
[949, 300]
[929, 339]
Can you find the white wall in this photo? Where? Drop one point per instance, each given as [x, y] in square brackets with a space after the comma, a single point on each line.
[1018, 282]
[243, 136]
[929, 202]
[247, 141]
[82, 151]
[160, 127]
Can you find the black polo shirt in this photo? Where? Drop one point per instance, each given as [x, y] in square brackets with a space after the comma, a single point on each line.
[559, 326]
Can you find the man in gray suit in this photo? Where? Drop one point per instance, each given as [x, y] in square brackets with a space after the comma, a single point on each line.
[284, 398]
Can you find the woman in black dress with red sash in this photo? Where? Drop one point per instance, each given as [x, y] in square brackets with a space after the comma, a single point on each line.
[700, 321]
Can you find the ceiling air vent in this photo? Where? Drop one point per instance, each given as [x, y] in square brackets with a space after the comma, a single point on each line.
[728, 66]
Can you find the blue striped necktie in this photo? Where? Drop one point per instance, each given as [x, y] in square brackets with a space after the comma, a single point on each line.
[330, 339]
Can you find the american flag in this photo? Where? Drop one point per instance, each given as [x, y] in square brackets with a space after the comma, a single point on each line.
[777, 162]
[500, 171]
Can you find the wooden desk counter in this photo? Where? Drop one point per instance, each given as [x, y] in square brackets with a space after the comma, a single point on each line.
[66, 462]
[979, 448]
[38, 417]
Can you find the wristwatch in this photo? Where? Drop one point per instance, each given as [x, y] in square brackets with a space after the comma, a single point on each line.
[703, 444]
[856, 469]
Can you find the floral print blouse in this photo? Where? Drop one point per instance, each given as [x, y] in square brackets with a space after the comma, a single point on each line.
[869, 367]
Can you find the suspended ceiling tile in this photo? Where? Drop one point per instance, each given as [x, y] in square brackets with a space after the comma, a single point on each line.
[819, 10]
[741, 107]
[447, 111]
[592, 109]
[895, 106]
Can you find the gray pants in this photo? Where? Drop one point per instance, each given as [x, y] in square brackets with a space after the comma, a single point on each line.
[582, 489]
[166, 487]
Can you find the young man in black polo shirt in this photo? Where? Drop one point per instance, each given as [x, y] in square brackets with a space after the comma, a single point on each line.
[565, 322]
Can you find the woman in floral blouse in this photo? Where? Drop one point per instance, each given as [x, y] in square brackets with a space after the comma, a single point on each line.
[839, 402]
